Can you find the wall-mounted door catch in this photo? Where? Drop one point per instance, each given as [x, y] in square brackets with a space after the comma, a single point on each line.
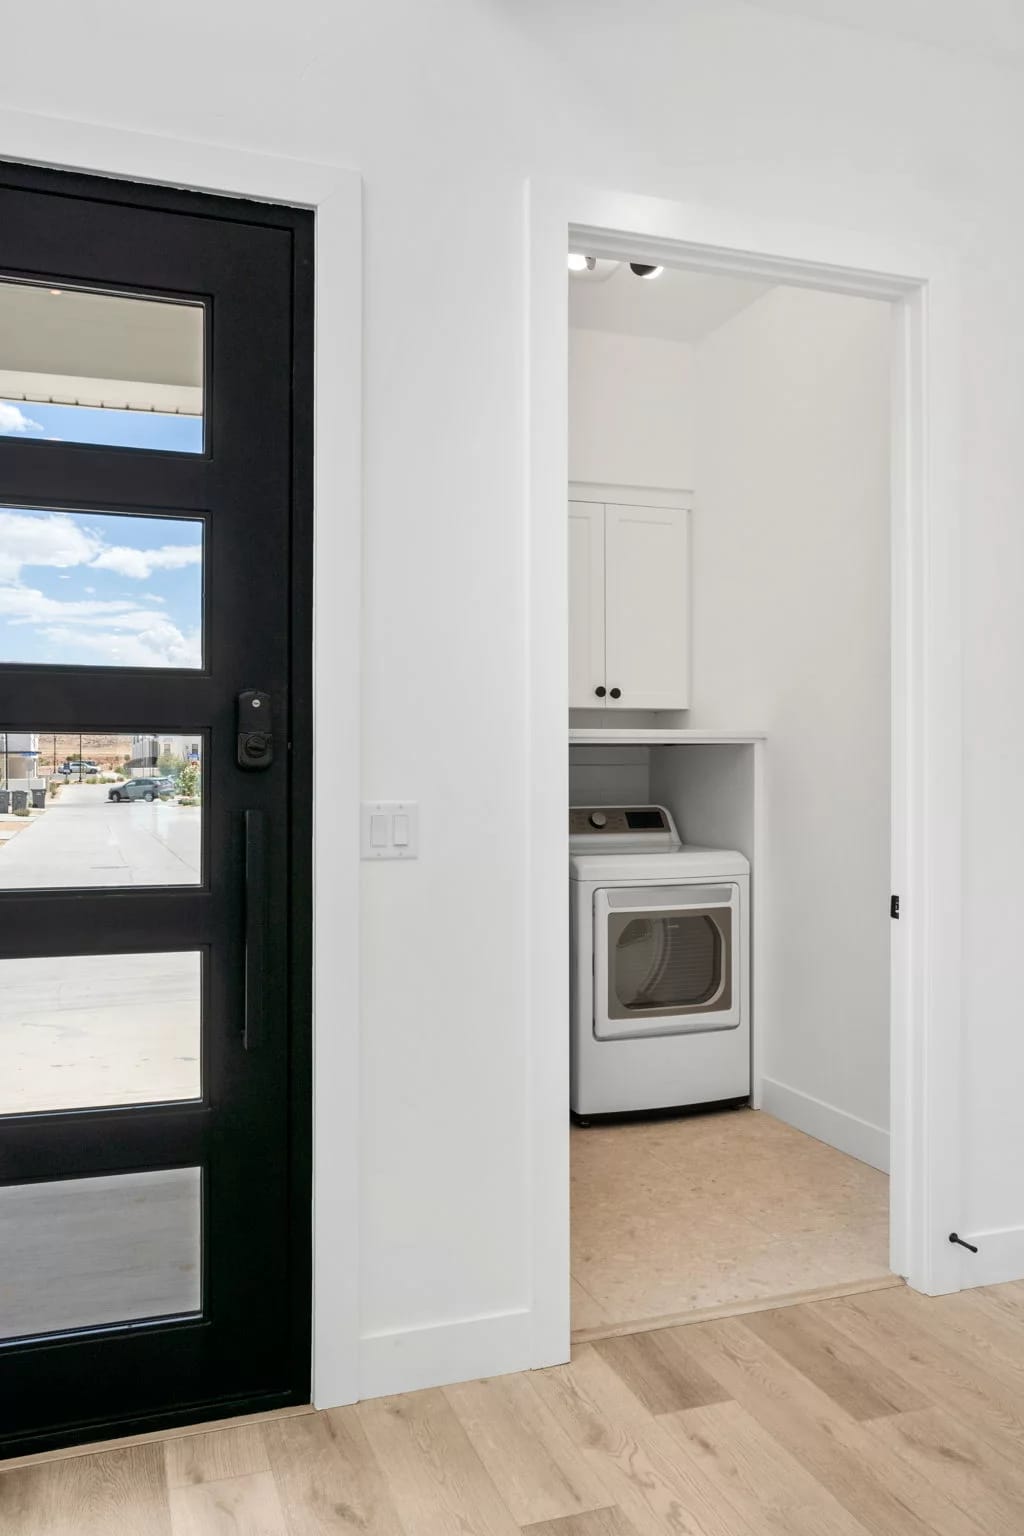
[255, 730]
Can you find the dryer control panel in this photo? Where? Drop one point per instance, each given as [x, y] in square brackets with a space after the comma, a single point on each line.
[637, 823]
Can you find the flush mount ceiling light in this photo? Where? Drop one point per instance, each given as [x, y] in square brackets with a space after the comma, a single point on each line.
[580, 263]
[644, 269]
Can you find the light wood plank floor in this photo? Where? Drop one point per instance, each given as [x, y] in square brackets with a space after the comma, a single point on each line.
[699, 1213]
[884, 1414]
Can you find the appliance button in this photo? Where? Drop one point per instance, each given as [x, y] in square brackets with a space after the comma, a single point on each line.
[598, 819]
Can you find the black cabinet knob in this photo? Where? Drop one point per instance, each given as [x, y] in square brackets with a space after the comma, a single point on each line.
[600, 692]
[616, 693]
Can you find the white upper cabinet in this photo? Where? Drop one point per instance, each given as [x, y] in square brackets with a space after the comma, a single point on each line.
[647, 608]
[586, 604]
[629, 607]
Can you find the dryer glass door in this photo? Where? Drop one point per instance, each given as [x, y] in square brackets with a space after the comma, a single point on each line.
[666, 960]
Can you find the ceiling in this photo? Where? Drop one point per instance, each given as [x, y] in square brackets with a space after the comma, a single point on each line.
[994, 27]
[677, 306]
[100, 349]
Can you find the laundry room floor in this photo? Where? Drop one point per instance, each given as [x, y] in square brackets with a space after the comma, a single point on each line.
[708, 1213]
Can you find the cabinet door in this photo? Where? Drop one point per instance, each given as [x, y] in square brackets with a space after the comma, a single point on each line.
[586, 604]
[647, 607]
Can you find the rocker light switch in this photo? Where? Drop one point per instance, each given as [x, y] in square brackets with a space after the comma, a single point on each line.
[390, 829]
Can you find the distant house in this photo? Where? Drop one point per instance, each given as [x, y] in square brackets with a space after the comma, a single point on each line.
[20, 756]
[147, 750]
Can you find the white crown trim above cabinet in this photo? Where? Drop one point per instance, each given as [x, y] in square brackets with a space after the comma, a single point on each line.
[629, 605]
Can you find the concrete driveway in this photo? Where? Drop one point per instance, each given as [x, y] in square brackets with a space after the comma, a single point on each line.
[84, 839]
[79, 1031]
[95, 1030]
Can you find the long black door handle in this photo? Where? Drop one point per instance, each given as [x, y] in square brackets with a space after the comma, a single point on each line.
[255, 927]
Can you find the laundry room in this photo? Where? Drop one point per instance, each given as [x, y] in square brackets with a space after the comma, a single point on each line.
[730, 792]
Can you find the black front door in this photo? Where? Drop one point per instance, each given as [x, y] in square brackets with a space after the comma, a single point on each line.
[155, 555]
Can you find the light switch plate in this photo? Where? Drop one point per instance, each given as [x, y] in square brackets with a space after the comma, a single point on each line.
[390, 829]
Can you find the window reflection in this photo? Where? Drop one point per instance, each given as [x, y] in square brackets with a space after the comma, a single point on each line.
[100, 589]
[101, 368]
[82, 1031]
[81, 810]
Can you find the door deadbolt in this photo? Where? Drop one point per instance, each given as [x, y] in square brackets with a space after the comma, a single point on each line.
[255, 732]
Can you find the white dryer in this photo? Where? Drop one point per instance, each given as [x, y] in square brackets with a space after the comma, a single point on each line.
[660, 980]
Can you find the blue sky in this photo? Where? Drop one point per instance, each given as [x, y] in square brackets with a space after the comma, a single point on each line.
[94, 588]
[115, 429]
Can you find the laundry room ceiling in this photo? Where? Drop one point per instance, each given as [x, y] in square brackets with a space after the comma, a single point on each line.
[677, 306]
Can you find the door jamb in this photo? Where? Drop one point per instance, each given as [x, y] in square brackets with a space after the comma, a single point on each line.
[334, 195]
[926, 710]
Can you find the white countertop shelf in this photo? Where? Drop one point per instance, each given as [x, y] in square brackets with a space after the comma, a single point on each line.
[631, 736]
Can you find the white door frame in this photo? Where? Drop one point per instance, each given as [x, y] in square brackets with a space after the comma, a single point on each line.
[335, 197]
[926, 686]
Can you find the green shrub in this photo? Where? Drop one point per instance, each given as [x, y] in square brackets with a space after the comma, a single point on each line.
[170, 764]
[188, 780]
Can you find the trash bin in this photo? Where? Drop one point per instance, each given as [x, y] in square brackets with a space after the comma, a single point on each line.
[39, 799]
[5, 801]
[20, 799]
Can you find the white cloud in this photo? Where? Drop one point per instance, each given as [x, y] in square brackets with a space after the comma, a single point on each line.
[141, 563]
[51, 539]
[27, 605]
[128, 629]
[14, 422]
[147, 640]
[122, 632]
[59, 540]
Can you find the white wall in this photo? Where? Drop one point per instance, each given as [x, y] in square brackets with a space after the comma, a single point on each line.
[609, 775]
[791, 619]
[445, 109]
[631, 412]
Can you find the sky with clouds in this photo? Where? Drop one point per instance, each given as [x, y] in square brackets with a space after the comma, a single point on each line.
[98, 588]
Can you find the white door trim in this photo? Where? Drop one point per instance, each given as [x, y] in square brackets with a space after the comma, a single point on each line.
[926, 686]
[335, 196]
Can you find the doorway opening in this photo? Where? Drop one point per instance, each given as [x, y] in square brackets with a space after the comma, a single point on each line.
[922, 287]
[729, 790]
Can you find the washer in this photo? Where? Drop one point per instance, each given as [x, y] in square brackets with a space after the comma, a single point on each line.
[660, 979]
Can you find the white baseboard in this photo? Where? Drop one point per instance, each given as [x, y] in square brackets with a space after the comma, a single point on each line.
[859, 1138]
[432, 1356]
[1000, 1257]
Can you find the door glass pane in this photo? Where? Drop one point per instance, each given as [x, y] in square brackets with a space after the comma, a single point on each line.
[81, 1031]
[668, 962]
[84, 1253]
[97, 589]
[100, 809]
[105, 368]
